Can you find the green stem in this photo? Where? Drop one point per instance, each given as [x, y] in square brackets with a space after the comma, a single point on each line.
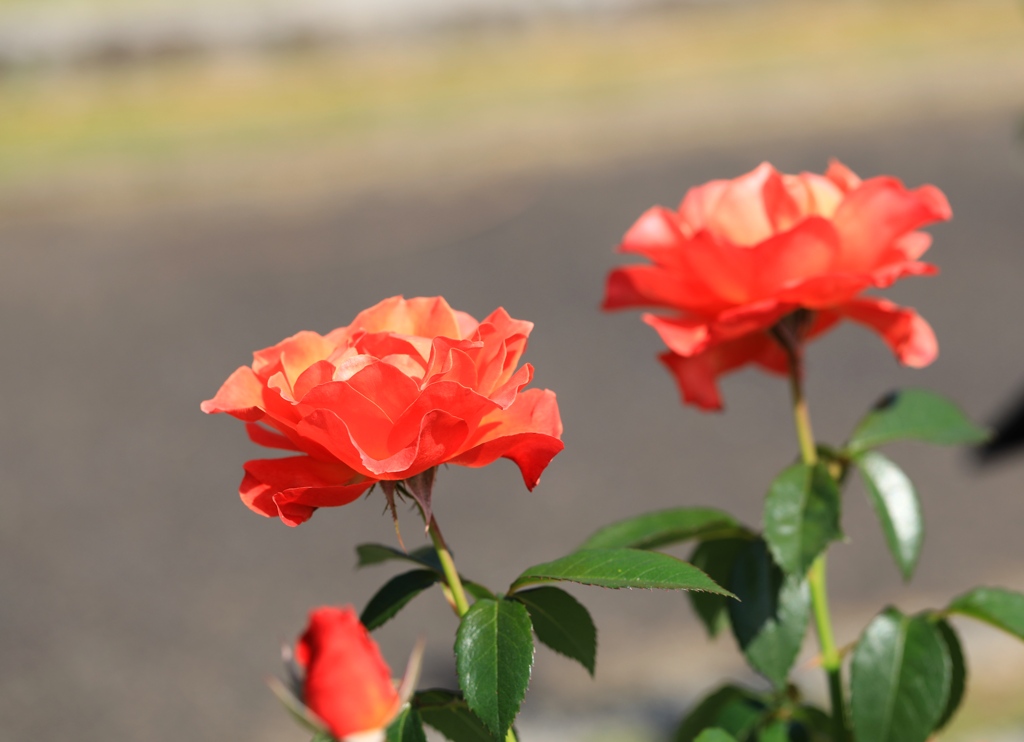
[802, 417]
[451, 575]
[831, 659]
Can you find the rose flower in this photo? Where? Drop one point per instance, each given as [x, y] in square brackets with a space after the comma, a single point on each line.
[343, 679]
[741, 255]
[409, 385]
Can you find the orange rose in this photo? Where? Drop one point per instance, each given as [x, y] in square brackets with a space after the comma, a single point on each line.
[409, 385]
[740, 255]
[346, 684]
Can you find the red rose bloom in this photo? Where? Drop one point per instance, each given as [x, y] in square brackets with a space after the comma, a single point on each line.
[740, 255]
[347, 683]
[409, 385]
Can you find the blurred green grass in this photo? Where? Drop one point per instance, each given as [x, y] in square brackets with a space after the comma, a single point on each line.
[169, 113]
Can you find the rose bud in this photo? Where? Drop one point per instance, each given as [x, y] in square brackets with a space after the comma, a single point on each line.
[344, 686]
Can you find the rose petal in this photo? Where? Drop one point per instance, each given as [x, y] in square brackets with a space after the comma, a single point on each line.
[686, 337]
[263, 436]
[816, 194]
[810, 249]
[240, 396]
[909, 336]
[389, 389]
[457, 400]
[783, 209]
[292, 488]
[700, 203]
[426, 317]
[876, 214]
[371, 426]
[319, 373]
[292, 356]
[889, 274]
[656, 235]
[691, 336]
[844, 178]
[697, 376]
[740, 215]
[527, 433]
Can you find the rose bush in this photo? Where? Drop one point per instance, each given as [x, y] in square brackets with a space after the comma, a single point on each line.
[740, 255]
[408, 385]
[346, 683]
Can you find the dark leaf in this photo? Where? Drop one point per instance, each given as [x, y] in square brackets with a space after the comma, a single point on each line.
[407, 727]
[715, 735]
[801, 516]
[900, 679]
[916, 414]
[896, 505]
[664, 527]
[394, 596]
[618, 568]
[733, 709]
[811, 724]
[1004, 609]
[770, 618]
[378, 553]
[476, 590]
[958, 683]
[715, 559]
[449, 714]
[562, 623]
[777, 731]
[493, 656]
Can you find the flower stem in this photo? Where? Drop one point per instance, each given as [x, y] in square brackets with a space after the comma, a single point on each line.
[804, 433]
[451, 575]
[831, 659]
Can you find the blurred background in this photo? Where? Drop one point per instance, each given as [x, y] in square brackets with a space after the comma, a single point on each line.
[184, 181]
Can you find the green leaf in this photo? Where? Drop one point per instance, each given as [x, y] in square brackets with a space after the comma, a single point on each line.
[775, 732]
[715, 559]
[715, 735]
[449, 714]
[561, 622]
[770, 618]
[1004, 609]
[493, 656]
[475, 589]
[377, 553]
[323, 737]
[958, 682]
[900, 679]
[407, 727]
[618, 568]
[916, 414]
[811, 724]
[733, 709]
[801, 516]
[394, 596]
[896, 505]
[664, 527]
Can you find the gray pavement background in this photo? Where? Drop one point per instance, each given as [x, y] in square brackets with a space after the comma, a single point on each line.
[143, 601]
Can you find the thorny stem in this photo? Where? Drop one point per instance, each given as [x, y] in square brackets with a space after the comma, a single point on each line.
[451, 575]
[454, 582]
[789, 336]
